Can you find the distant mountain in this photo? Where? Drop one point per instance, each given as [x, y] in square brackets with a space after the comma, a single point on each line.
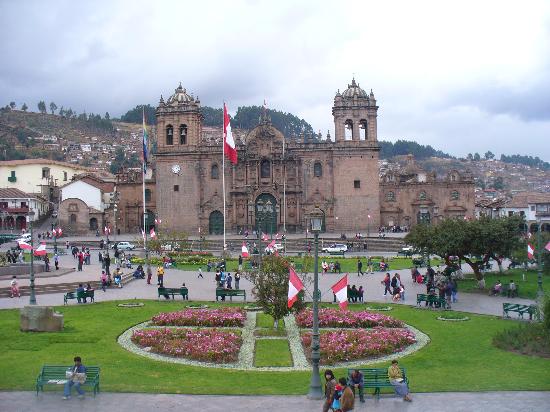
[526, 160]
[405, 147]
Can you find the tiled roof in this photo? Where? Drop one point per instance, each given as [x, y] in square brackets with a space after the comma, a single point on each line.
[526, 198]
[12, 193]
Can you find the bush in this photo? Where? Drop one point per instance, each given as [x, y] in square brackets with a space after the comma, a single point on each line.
[527, 339]
[546, 313]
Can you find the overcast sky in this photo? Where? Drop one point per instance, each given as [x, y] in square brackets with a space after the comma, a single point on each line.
[463, 76]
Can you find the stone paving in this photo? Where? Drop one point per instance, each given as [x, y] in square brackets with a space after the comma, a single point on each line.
[134, 402]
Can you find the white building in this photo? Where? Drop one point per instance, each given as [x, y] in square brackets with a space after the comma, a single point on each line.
[15, 206]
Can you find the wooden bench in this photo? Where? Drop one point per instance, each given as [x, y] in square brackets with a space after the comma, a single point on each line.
[430, 299]
[55, 375]
[230, 292]
[377, 378]
[78, 295]
[520, 310]
[184, 292]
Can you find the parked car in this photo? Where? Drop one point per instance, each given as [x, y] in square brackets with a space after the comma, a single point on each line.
[123, 246]
[407, 251]
[335, 248]
[54, 214]
[25, 237]
[169, 247]
[277, 247]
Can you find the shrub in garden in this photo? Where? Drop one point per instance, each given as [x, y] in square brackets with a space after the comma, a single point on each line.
[202, 317]
[335, 318]
[206, 345]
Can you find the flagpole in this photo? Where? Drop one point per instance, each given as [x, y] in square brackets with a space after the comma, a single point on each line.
[284, 188]
[143, 170]
[223, 179]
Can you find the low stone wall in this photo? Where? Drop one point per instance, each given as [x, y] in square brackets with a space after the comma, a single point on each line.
[22, 269]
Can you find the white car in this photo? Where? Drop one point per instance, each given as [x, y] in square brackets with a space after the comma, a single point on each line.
[124, 246]
[25, 237]
[277, 247]
[335, 248]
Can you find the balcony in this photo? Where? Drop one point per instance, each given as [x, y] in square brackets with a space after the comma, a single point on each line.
[12, 179]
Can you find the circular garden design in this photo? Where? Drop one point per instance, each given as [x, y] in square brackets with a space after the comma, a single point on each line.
[239, 339]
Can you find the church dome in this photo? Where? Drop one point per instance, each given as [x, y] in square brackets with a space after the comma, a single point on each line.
[354, 90]
[180, 96]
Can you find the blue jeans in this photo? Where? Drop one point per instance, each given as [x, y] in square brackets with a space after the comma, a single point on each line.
[69, 384]
[454, 293]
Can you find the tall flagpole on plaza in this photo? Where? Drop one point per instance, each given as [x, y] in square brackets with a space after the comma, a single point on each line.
[284, 188]
[144, 171]
[223, 176]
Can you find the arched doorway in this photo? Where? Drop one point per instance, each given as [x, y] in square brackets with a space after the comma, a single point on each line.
[149, 221]
[266, 213]
[93, 224]
[215, 223]
[424, 217]
[9, 223]
[21, 223]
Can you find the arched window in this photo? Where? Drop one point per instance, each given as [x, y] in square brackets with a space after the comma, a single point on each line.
[455, 195]
[169, 135]
[214, 172]
[390, 197]
[363, 133]
[265, 169]
[147, 195]
[348, 130]
[317, 169]
[93, 223]
[422, 195]
[183, 134]
[72, 219]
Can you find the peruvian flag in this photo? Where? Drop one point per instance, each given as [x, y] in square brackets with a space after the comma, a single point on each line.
[59, 231]
[295, 285]
[41, 250]
[158, 221]
[271, 244]
[229, 148]
[277, 236]
[152, 233]
[340, 289]
[25, 245]
[547, 247]
[107, 230]
[530, 251]
[265, 237]
[244, 251]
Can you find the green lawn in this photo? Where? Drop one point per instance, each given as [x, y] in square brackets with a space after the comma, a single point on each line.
[527, 289]
[266, 321]
[272, 352]
[460, 356]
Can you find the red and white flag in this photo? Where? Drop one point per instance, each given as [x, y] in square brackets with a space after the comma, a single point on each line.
[59, 231]
[295, 285]
[159, 221]
[265, 237]
[229, 147]
[107, 230]
[547, 247]
[244, 251]
[25, 245]
[271, 244]
[340, 289]
[529, 235]
[152, 233]
[277, 236]
[41, 250]
[530, 251]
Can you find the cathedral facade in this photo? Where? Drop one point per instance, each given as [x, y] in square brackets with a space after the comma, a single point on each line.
[277, 182]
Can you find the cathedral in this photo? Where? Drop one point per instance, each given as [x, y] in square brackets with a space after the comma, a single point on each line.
[277, 182]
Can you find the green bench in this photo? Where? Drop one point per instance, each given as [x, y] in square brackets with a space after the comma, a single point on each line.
[377, 378]
[220, 292]
[78, 295]
[184, 292]
[55, 375]
[520, 310]
[430, 299]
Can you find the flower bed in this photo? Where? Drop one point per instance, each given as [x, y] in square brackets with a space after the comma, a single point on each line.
[349, 345]
[201, 317]
[207, 345]
[336, 318]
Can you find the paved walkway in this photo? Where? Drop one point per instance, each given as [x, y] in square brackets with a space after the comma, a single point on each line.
[204, 288]
[123, 402]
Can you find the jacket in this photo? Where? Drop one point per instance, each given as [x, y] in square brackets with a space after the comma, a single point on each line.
[347, 401]
[329, 389]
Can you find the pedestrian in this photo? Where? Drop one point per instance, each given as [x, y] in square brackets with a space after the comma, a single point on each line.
[14, 287]
[56, 260]
[330, 386]
[370, 268]
[240, 263]
[237, 280]
[47, 262]
[359, 267]
[448, 294]
[387, 283]
[200, 273]
[80, 261]
[149, 275]
[229, 281]
[100, 256]
[21, 257]
[107, 261]
[347, 398]
[454, 290]
[67, 245]
[103, 280]
[160, 276]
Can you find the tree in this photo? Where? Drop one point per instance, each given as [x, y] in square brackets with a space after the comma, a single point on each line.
[135, 115]
[12, 105]
[477, 157]
[470, 156]
[24, 107]
[42, 106]
[271, 288]
[484, 237]
[489, 155]
[53, 107]
[498, 183]
[107, 116]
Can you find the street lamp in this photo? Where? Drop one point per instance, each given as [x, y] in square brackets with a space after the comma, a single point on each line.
[30, 218]
[315, 392]
[540, 292]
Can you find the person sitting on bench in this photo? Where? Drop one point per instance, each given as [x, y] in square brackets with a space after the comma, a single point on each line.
[80, 289]
[495, 290]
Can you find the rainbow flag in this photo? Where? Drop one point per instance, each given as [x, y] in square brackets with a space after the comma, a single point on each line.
[145, 143]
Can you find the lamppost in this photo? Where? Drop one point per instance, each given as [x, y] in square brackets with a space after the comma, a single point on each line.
[540, 292]
[30, 217]
[315, 392]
